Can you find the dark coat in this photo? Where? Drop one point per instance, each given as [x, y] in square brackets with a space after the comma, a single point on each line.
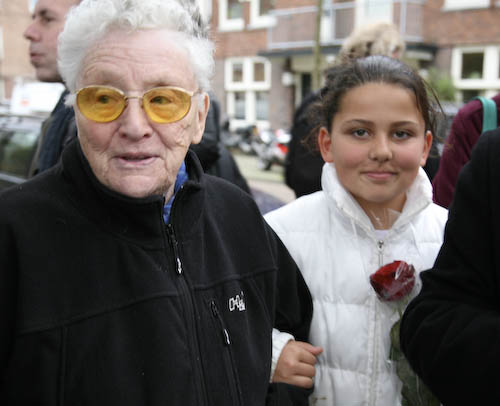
[464, 133]
[303, 162]
[451, 331]
[56, 132]
[101, 303]
[214, 157]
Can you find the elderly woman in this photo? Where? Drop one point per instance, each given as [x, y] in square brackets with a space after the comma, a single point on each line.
[127, 276]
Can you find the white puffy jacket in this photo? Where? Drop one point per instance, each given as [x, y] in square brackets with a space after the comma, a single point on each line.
[336, 247]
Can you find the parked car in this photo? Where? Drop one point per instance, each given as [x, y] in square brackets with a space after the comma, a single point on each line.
[18, 142]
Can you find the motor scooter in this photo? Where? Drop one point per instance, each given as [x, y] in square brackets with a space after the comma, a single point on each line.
[271, 147]
[241, 138]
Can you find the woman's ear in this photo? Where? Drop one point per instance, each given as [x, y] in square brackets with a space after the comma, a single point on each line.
[201, 116]
[325, 144]
[427, 148]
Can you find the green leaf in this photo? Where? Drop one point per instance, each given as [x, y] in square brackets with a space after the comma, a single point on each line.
[414, 391]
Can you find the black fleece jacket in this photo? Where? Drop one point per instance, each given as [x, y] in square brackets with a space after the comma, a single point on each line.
[451, 331]
[102, 304]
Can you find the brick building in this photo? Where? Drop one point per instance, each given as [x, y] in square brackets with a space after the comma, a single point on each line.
[466, 34]
[15, 16]
[264, 58]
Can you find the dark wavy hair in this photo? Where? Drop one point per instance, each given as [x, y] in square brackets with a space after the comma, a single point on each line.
[372, 69]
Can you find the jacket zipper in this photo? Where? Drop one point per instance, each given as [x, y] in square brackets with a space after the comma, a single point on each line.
[373, 384]
[234, 386]
[380, 246]
[187, 301]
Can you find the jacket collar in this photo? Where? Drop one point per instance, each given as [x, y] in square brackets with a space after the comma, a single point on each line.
[136, 219]
[419, 196]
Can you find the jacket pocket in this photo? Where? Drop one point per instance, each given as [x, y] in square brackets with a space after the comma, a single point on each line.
[227, 352]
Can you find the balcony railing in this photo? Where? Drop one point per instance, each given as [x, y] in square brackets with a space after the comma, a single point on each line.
[296, 27]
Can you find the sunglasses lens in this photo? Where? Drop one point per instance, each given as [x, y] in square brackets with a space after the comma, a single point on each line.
[166, 105]
[99, 103]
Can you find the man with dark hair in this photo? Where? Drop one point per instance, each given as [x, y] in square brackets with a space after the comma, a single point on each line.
[49, 17]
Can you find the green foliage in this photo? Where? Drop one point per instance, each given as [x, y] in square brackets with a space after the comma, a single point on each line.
[414, 392]
[442, 83]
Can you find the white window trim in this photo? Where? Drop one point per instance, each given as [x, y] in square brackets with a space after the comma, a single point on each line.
[452, 5]
[257, 21]
[2, 51]
[491, 68]
[361, 17]
[31, 5]
[2, 90]
[247, 83]
[249, 87]
[225, 24]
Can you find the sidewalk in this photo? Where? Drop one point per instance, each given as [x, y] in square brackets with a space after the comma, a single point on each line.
[278, 190]
[271, 182]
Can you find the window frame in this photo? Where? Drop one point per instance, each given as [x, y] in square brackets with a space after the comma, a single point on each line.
[229, 24]
[248, 86]
[490, 79]
[453, 5]
[2, 49]
[361, 16]
[31, 5]
[258, 21]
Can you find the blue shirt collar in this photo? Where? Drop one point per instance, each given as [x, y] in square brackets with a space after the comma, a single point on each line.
[182, 177]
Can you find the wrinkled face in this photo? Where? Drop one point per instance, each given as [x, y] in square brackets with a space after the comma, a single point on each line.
[377, 143]
[48, 22]
[132, 154]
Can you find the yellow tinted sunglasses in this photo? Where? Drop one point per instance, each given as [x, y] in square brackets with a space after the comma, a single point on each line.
[103, 104]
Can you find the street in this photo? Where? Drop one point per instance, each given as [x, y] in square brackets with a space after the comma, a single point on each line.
[271, 181]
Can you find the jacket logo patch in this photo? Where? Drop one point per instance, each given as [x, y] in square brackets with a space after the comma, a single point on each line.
[237, 303]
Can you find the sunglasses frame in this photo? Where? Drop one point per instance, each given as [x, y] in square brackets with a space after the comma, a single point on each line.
[141, 98]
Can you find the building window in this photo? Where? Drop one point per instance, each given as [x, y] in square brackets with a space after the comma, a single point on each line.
[368, 11]
[231, 15]
[262, 105]
[469, 94]
[476, 70]
[260, 13]
[498, 66]
[239, 105]
[465, 4]
[247, 85]
[237, 72]
[265, 6]
[259, 72]
[1, 44]
[31, 5]
[234, 9]
[472, 65]
[378, 10]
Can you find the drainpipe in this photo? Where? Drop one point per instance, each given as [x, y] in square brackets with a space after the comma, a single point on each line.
[316, 82]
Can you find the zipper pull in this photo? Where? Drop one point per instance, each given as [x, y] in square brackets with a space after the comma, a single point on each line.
[225, 333]
[380, 245]
[176, 248]
[227, 340]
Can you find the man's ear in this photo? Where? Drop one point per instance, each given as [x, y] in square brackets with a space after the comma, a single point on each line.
[201, 116]
[325, 144]
[427, 148]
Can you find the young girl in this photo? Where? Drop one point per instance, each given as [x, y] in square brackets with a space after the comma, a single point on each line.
[375, 207]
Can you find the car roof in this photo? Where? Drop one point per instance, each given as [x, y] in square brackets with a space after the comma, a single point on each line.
[20, 122]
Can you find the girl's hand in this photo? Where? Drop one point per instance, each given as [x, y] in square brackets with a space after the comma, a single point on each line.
[296, 364]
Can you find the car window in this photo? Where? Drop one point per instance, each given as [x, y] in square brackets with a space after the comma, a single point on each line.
[16, 151]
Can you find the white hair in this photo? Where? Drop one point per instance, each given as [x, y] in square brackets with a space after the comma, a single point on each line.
[90, 21]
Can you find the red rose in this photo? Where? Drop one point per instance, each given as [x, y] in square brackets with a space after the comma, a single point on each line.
[393, 281]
